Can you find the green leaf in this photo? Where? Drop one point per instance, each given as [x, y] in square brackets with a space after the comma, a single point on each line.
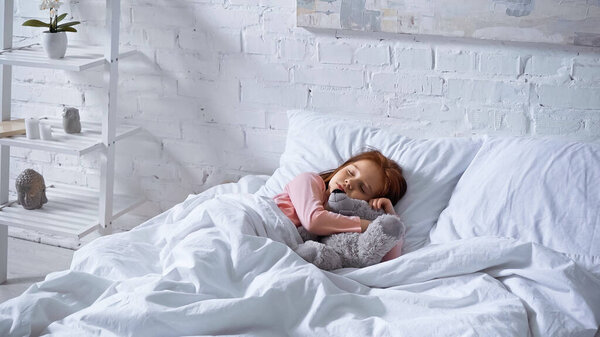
[61, 17]
[35, 23]
[69, 24]
[67, 29]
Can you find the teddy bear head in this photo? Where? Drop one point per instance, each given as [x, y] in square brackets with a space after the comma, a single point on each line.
[339, 202]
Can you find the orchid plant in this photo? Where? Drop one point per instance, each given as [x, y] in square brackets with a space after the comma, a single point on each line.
[53, 26]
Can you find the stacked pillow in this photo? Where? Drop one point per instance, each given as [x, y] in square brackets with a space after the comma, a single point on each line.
[541, 190]
[318, 142]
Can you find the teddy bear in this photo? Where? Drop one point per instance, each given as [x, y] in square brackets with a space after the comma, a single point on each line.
[342, 250]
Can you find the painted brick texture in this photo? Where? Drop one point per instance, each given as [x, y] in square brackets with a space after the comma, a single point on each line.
[213, 79]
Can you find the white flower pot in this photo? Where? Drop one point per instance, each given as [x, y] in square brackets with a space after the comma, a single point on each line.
[55, 44]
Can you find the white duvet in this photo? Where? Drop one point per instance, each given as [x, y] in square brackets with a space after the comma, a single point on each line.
[222, 266]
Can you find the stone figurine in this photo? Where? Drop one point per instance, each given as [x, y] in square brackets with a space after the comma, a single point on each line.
[31, 189]
[71, 122]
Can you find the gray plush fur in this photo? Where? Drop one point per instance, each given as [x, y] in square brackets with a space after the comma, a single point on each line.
[352, 249]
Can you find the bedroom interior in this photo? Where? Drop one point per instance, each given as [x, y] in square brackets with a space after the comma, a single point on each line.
[195, 112]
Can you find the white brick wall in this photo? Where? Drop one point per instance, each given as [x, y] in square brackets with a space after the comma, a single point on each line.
[373, 55]
[335, 53]
[331, 77]
[213, 80]
[452, 59]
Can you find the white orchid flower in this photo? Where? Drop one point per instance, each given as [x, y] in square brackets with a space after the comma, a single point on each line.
[55, 4]
[50, 4]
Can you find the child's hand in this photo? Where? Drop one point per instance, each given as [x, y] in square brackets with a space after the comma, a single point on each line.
[385, 203]
[364, 224]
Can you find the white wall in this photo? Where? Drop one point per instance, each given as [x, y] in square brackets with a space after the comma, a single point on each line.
[213, 80]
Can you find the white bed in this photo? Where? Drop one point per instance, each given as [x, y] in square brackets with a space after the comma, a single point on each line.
[220, 263]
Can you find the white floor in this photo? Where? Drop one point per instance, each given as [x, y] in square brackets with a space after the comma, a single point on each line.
[30, 262]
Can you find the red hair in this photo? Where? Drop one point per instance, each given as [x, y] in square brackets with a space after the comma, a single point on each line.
[394, 184]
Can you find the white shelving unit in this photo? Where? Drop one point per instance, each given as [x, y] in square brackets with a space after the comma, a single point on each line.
[71, 210]
[78, 58]
[89, 140]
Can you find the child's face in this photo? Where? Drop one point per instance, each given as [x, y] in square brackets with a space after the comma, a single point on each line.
[362, 179]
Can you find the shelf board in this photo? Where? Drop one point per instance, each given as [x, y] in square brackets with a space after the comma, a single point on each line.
[78, 57]
[90, 138]
[70, 211]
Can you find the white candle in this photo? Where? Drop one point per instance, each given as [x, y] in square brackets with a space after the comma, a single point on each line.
[32, 128]
[46, 132]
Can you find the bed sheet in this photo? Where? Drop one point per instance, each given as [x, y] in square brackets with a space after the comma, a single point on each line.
[222, 263]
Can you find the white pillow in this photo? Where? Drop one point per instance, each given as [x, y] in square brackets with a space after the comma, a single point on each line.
[318, 142]
[541, 190]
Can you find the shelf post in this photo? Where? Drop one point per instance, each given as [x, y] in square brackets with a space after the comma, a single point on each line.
[109, 123]
[6, 13]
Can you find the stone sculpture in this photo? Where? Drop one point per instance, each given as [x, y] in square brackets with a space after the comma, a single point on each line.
[71, 122]
[31, 189]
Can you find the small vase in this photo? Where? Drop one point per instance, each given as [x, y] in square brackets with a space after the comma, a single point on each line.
[55, 44]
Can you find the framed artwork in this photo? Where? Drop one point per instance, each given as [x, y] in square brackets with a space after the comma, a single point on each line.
[550, 21]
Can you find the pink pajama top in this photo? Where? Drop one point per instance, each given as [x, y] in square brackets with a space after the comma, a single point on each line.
[303, 200]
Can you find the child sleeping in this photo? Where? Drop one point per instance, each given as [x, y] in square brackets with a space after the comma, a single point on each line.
[368, 176]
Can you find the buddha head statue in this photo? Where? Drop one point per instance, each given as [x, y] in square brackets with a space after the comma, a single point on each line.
[31, 189]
